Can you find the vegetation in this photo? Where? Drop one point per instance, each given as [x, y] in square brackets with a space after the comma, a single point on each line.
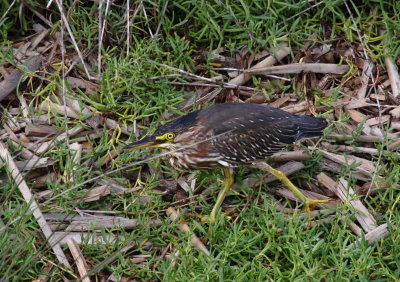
[256, 238]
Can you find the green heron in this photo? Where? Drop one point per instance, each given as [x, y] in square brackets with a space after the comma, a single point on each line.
[232, 134]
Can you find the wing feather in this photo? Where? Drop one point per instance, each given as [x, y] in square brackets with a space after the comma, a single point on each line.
[249, 132]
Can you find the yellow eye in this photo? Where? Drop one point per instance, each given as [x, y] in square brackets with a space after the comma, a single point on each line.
[169, 136]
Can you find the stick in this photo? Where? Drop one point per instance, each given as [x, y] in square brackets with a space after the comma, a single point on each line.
[366, 74]
[395, 145]
[354, 227]
[286, 193]
[69, 172]
[393, 73]
[79, 259]
[300, 67]
[45, 146]
[51, 107]
[116, 222]
[344, 148]
[86, 238]
[34, 163]
[345, 193]
[66, 23]
[10, 82]
[173, 214]
[374, 235]
[33, 206]
[269, 61]
[362, 138]
[366, 167]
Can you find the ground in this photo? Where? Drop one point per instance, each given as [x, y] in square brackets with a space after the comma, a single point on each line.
[108, 73]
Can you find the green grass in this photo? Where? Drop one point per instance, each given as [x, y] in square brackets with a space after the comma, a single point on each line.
[263, 244]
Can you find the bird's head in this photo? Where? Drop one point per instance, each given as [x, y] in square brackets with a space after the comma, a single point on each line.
[168, 135]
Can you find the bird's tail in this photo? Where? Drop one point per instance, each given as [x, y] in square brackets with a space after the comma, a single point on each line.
[310, 127]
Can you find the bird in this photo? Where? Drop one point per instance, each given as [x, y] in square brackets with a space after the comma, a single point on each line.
[229, 135]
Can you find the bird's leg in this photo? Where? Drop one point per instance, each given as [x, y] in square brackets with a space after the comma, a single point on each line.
[309, 203]
[228, 172]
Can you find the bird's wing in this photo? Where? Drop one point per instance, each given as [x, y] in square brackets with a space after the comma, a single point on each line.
[253, 137]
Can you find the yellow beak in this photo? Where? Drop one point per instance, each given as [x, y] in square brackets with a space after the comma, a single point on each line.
[148, 142]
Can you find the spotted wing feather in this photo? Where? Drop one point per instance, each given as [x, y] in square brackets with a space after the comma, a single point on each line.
[248, 132]
[255, 143]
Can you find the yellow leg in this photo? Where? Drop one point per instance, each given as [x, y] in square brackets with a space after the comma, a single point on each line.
[228, 172]
[283, 178]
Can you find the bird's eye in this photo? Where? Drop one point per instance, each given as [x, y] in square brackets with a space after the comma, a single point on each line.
[170, 136]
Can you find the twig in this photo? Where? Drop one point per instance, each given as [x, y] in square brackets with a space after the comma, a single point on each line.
[366, 74]
[376, 91]
[129, 23]
[377, 120]
[40, 16]
[79, 259]
[128, 26]
[10, 82]
[374, 235]
[65, 21]
[300, 67]
[354, 227]
[25, 153]
[366, 167]
[94, 223]
[34, 163]
[362, 138]
[173, 214]
[33, 206]
[202, 78]
[288, 194]
[75, 149]
[102, 26]
[214, 85]
[345, 193]
[302, 12]
[279, 102]
[147, 20]
[24, 107]
[8, 10]
[282, 52]
[298, 155]
[112, 124]
[39, 38]
[395, 145]
[344, 148]
[296, 108]
[45, 146]
[96, 193]
[52, 107]
[162, 16]
[393, 77]
[393, 74]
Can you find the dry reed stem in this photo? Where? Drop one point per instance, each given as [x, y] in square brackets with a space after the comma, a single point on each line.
[33, 206]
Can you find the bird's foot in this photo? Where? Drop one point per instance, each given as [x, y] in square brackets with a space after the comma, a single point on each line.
[208, 219]
[310, 204]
